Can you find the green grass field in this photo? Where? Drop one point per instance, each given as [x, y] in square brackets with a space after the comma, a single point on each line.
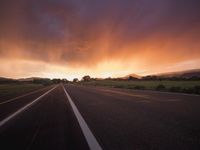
[11, 90]
[170, 86]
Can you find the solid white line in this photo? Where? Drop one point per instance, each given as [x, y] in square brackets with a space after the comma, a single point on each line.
[4, 121]
[90, 138]
[13, 99]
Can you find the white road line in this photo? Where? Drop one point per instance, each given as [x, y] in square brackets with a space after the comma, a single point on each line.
[90, 138]
[4, 121]
[13, 99]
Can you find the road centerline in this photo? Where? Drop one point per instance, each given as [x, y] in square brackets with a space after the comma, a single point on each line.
[90, 138]
[4, 121]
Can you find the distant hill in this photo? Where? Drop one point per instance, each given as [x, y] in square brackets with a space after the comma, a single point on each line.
[183, 74]
[132, 75]
[7, 80]
[178, 74]
[29, 79]
[22, 79]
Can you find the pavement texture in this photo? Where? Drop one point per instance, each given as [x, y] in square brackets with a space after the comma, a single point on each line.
[119, 119]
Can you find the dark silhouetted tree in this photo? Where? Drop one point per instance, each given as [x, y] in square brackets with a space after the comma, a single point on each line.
[75, 80]
[86, 78]
[65, 81]
[56, 81]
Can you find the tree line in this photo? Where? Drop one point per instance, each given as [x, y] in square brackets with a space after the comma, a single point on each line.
[87, 78]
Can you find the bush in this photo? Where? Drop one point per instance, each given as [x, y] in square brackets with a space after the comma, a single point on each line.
[175, 89]
[192, 90]
[197, 89]
[118, 86]
[139, 87]
[160, 87]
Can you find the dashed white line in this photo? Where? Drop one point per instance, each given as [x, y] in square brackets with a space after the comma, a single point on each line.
[4, 121]
[90, 138]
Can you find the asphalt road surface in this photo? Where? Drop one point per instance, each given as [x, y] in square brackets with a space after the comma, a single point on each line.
[72, 117]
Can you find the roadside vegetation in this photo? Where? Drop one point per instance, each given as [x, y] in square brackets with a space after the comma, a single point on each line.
[15, 89]
[10, 88]
[189, 85]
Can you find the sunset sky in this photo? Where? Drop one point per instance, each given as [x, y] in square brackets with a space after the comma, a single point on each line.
[101, 38]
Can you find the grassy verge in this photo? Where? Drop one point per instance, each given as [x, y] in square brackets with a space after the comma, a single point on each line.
[191, 87]
[8, 91]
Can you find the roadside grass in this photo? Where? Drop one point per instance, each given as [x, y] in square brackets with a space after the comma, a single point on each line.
[192, 87]
[8, 91]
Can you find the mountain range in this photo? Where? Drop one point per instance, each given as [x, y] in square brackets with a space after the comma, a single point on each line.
[181, 74]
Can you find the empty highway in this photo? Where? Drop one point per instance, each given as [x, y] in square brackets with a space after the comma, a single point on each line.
[74, 117]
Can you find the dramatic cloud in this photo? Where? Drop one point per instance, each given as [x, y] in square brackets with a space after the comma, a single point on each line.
[139, 36]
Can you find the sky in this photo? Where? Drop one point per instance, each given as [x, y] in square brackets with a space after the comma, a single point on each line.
[100, 38]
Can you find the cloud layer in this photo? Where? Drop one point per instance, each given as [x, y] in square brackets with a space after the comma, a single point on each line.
[76, 33]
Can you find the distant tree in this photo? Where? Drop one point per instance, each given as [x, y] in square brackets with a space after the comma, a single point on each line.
[45, 82]
[75, 80]
[109, 78]
[65, 81]
[196, 78]
[86, 78]
[56, 81]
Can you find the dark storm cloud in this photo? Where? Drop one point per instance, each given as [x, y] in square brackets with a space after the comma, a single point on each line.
[74, 30]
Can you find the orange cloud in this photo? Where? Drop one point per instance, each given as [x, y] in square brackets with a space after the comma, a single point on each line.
[100, 39]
